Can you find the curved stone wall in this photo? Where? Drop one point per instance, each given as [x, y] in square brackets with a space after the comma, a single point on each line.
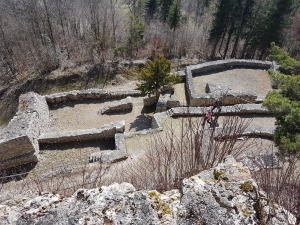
[228, 98]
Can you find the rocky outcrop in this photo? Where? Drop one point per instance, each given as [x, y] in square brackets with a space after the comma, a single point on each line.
[225, 194]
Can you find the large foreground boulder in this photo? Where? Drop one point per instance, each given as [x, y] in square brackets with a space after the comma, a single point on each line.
[223, 195]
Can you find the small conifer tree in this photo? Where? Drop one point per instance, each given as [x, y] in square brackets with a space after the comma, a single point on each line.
[155, 77]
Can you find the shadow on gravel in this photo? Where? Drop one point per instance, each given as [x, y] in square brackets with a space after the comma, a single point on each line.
[103, 144]
[15, 173]
[144, 120]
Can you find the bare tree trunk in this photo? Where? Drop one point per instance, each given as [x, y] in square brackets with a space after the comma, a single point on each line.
[113, 12]
[229, 38]
[49, 25]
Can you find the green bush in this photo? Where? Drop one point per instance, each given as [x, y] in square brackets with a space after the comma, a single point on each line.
[155, 77]
[288, 64]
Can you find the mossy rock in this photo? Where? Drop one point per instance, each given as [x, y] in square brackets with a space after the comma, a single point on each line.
[245, 213]
[218, 174]
[247, 187]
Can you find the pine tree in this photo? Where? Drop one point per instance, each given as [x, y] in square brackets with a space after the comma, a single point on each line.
[155, 77]
[285, 105]
[245, 14]
[270, 26]
[151, 7]
[164, 6]
[136, 34]
[174, 16]
[221, 23]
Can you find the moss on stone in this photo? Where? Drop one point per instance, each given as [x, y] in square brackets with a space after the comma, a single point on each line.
[218, 174]
[246, 187]
[208, 180]
[245, 212]
[160, 206]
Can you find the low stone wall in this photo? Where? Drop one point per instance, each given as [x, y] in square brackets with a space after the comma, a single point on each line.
[149, 100]
[226, 110]
[161, 104]
[240, 109]
[112, 156]
[106, 131]
[19, 140]
[231, 98]
[228, 98]
[228, 64]
[172, 103]
[63, 97]
[122, 105]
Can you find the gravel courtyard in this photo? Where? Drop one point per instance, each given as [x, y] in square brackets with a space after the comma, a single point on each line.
[239, 80]
[84, 115]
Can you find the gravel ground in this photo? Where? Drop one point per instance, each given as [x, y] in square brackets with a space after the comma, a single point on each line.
[238, 80]
[179, 93]
[85, 115]
[137, 145]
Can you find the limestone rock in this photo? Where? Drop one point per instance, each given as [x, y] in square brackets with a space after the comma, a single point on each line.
[114, 204]
[122, 105]
[227, 195]
[218, 89]
[223, 195]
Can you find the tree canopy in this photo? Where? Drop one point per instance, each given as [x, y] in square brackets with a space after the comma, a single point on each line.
[253, 25]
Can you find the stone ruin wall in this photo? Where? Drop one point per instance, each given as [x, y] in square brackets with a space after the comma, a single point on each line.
[63, 97]
[19, 140]
[106, 131]
[19, 143]
[230, 98]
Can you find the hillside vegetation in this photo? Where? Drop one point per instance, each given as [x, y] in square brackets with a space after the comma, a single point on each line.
[41, 36]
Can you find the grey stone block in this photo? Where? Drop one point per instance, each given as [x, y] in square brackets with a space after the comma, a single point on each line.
[21, 135]
[220, 89]
[122, 105]
[172, 103]
[149, 100]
